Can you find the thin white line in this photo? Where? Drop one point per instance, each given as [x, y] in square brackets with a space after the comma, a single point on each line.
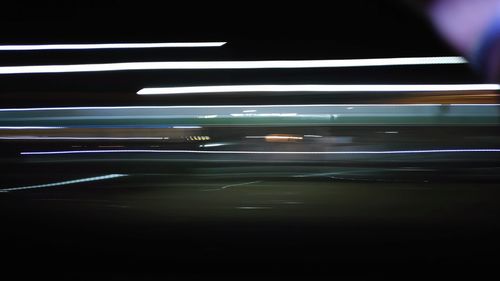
[63, 182]
[213, 144]
[164, 65]
[263, 152]
[79, 138]
[233, 106]
[28, 128]
[107, 46]
[316, 88]
[239, 184]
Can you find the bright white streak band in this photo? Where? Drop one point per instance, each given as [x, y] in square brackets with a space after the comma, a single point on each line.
[317, 88]
[231, 106]
[177, 65]
[108, 46]
[261, 152]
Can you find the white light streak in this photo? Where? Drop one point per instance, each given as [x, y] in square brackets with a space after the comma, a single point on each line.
[228, 106]
[213, 144]
[316, 88]
[239, 184]
[176, 65]
[108, 46]
[105, 177]
[425, 151]
[28, 128]
[283, 138]
[186, 127]
[79, 138]
[263, 114]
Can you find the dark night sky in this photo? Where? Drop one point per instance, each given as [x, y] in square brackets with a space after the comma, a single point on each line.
[254, 31]
[348, 23]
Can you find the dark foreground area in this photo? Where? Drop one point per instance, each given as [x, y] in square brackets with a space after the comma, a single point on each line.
[307, 227]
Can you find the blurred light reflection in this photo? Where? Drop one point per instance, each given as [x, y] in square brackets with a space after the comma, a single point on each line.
[318, 88]
[472, 150]
[105, 177]
[108, 46]
[158, 65]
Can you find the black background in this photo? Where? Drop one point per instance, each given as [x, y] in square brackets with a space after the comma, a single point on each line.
[253, 30]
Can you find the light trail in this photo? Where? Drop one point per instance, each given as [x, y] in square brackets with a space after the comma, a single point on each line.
[105, 177]
[193, 65]
[232, 106]
[425, 151]
[41, 47]
[318, 88]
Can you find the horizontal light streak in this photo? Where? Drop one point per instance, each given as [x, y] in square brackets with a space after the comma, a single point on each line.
[239, 184]
[186, 127]
[234, 106]
[271, 137]
[213, 144]
[192, 65]
[28, 127]
[264, 114]
[317, 88]
[208, 116]
[263, 152]
[105, 177]
[79, 138]
[108, 46]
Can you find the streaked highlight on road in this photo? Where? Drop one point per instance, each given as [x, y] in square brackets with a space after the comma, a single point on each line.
[105, 177]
